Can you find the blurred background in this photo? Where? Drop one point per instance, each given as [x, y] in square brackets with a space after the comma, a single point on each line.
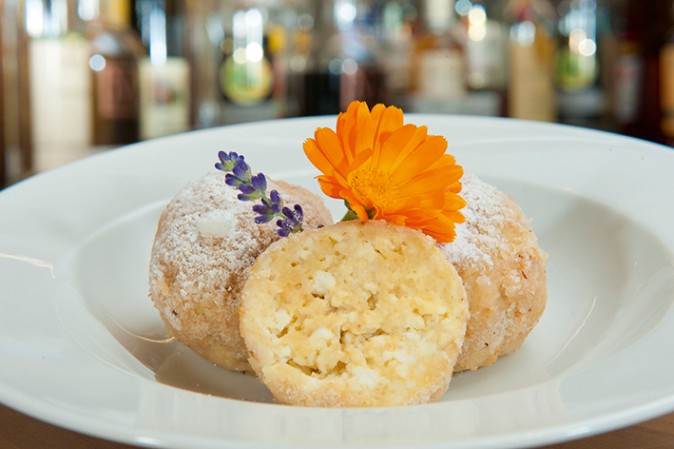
[85, 76]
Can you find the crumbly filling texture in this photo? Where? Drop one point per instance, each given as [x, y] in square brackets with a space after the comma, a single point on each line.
[370, 308]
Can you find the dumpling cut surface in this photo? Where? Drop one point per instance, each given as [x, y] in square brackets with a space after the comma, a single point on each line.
[354, 314]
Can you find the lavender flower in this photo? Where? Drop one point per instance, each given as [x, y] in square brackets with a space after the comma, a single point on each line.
[292, 221]
[254, 187]
[228, 161]
[268, 210]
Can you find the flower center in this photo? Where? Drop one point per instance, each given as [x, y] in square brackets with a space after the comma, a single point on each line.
[371, 187]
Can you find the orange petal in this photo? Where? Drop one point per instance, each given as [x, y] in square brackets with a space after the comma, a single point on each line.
[426, 201]
[445, 176]
[402, 140]
[454, 201]
[328, 143]
[355, 204]
[423, 157]
[360, 159]
[317, 157]
[330, 186]
[387, 120]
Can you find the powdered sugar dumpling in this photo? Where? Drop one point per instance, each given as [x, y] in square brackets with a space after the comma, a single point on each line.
[497, 255]
[205, 242]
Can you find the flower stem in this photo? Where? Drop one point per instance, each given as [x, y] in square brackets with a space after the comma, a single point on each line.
[349, 215]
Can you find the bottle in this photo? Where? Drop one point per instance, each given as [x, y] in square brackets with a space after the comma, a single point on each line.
[164, 74]
[485, 42]
[247, 76]
[58, 83]
[3, 140]
[343, 64]
[114, 53]
[18, 141]
[627, 71]
[395, 29]
[531, 51]
[656, 21]
[667, 83]
[580, 94]
[438, 61]
[299, 53]
[204, 29]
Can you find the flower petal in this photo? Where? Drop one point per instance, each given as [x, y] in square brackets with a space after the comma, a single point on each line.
[403, 140]
[387, 120]
[330, 186]
[316, 156]
[423, 157]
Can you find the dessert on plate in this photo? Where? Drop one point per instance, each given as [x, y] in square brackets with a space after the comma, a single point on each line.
[430, 271]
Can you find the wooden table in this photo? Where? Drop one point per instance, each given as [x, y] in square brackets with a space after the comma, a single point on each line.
[18, 431]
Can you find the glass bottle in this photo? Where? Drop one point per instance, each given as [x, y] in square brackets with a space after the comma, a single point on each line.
[58, 83]
[656, 21]
[114, 52]
[531, 51]
[298, 57]
[18, 140]
[3, 140]
[164, 74]
[627, 70]
[438, 60]
[485, 43]
[580, 93]
[395, 30]
[343, 64]
[250, 74]
[667, 83]
[204, 31]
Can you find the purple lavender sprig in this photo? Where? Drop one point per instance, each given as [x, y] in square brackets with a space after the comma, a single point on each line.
[254, 187]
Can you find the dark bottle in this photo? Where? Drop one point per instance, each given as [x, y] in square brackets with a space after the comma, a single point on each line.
[626, 71]
[3, 142]
[115, 50]
[342, 66]
[667, 83]
[656, 20]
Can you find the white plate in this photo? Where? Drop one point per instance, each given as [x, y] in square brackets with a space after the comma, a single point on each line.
[82, 347]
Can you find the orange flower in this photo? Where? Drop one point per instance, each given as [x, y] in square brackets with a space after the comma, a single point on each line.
[386, 170]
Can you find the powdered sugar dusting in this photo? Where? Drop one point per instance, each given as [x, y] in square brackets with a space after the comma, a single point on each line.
[485, 216]
[211, 228]
[206, 242]
[217, 223]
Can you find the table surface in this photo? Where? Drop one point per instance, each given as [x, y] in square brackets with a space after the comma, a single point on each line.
[18, 431]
